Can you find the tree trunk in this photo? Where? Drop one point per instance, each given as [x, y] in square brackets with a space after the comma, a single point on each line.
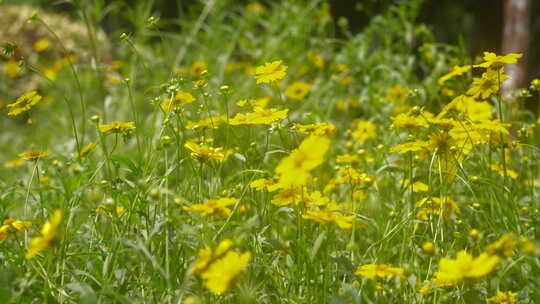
[516, 40]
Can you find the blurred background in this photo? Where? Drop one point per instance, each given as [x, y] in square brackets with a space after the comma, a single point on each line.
[501, 26]
[478, 25]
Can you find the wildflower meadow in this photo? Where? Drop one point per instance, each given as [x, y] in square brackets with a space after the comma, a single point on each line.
[261, 152]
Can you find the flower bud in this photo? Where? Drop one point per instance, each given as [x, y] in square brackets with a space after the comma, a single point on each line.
[428, 248]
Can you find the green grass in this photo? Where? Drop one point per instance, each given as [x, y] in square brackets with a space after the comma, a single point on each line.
[146, 255]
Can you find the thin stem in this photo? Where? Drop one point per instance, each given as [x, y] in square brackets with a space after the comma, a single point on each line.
[135, 118]
[501, 118]
[77, 83]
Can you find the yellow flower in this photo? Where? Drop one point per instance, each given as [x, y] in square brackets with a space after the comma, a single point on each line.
[317, 200]
[259, 116]
[42, 45]
[49, 73]
[202, 140]
[34, 155]
[267, 116]
[478, 111]
[484, 131]
[85, 150]
[15, 163]
[428, 248]
[207, 255]
[487, 85]
[330, 215]
[287, 196]
[200, 83]
[455, 271]
[351, 176]
[108, 209]
[203, 152]
[19, 225]
[261, 183]
[297, 90]
[24, 103]
[504, 297]
[401, 109]
[493, 126]
[424, 290]
[11, 68]
[255, 7]
[52, 71]
[346, 79]
[294, 169]
[535, 84]
[218, 207]
[442, 143]
[191, 300]
[397, 94]
[500, 169]
[404, 120]
[242, 103]
[503, 247]
[4, 232]
[491, 60]
[316, 59]
[456, 71]
[219, 268]
[113, 79]
[458, 103]
[174, 104]
[411, 146]
[448, 92]
[117, 127]
[48, 234]
[436, 205]
[241, 119]
[320, 129]
[364, 131]
[203, 260]
[197, 68]
[114, 65]
[10, 224]
[255, 103]
[259, 102]
[416, 186]
[211, 122]
[341, 67]
[270, 72]
[347, 158]
[374, 271]
[222, 273]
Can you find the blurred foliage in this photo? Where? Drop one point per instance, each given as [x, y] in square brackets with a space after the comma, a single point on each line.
[466, 23]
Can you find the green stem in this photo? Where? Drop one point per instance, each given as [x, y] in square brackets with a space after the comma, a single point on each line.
[501, 118]
[135, 118]
[77, 82]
